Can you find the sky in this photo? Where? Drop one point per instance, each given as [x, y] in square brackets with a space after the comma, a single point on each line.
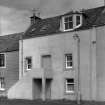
[14, 14]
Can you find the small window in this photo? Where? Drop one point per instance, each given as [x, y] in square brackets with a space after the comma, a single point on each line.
[69, 85]
[45, 27]
[77, 20]
[28, 63]
[2, 83]
[2, 60]
[69, 61]
[68, 22]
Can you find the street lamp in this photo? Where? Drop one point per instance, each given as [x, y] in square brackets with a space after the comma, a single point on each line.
[77, 39]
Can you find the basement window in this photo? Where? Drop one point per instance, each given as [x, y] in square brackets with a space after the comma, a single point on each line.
[2, 60]
[70, 85]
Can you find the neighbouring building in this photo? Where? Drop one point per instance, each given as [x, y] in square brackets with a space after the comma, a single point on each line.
[9, 61]
[63, 57]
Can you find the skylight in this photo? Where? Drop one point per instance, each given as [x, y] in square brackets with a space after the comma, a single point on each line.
[45, 27]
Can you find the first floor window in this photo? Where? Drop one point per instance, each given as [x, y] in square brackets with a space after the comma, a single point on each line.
[69, 85]
[69, 61]
[2, 83]
[28, 63]
[2, 60]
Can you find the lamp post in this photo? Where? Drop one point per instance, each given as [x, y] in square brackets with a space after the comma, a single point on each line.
[77, 39]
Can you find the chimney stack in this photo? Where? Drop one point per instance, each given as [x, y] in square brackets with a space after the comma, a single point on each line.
[35, 17]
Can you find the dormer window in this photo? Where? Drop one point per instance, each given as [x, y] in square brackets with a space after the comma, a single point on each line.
[68, 22]
[71, 22]
[78, 20]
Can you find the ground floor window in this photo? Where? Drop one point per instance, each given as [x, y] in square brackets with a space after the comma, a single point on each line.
[2, 83]
[69, 85]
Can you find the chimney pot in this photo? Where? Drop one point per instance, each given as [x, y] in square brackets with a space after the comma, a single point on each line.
[35, 17]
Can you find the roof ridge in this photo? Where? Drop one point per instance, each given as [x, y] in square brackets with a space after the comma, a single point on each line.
[95, 8]
[14, 34]
[74, 11]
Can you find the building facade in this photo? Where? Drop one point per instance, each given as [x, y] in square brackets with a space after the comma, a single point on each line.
[9, 62]
[63, 58]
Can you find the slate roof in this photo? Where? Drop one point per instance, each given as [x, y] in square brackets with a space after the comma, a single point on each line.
[10, 42]
[49, 26]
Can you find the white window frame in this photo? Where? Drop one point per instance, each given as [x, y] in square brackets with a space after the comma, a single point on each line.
[69, 91]
[28, 69]
[74, 22]
[68, 67]
[63, 19]
[2, 88]
[4, 61]
[76, 26]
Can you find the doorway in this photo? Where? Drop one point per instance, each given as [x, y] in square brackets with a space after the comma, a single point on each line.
[48, 89]
[37, 88]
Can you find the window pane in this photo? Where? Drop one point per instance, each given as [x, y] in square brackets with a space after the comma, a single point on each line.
[66, 26]
[29, 63]
[71, 63]
[2, 83]
[69, 60]
[70, 80]
[70, 25]
[70, 18]
[77, 20]
[69, 57]
[29, 66]
[66, 19]
[29, 60]
[70, 87]
[2, 60]
[68, 64]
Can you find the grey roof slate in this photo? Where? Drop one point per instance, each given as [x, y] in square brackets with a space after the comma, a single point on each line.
[10, 42]
[91, 17]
